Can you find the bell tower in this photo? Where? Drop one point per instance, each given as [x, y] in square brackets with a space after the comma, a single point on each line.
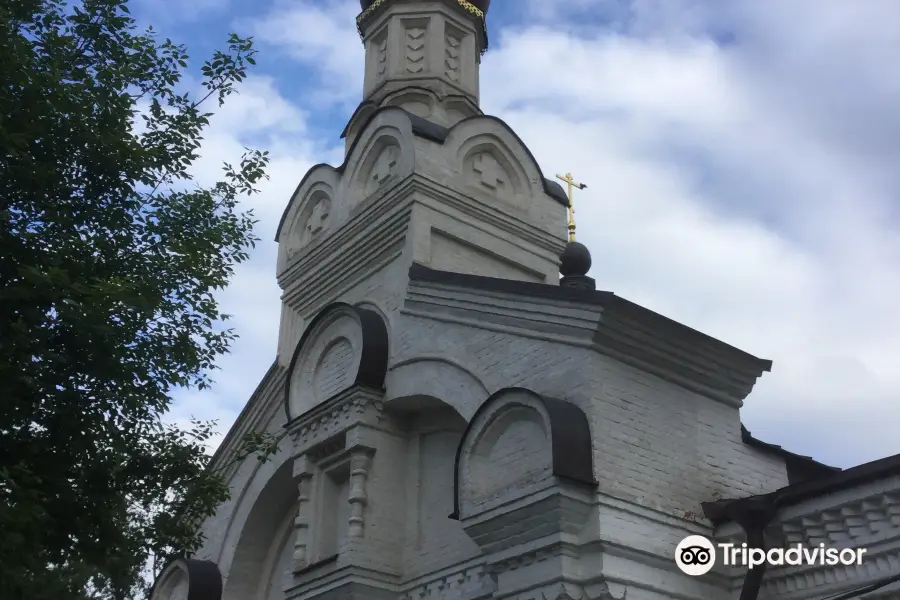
[427, 178]
[422, 56]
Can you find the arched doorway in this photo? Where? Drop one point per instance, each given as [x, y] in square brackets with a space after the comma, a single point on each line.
[433, 430]
[262, 559]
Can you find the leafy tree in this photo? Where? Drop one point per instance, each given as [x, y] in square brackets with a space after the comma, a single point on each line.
[110, 256]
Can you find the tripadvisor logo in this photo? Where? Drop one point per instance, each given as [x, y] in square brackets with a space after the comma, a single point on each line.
[695, 555]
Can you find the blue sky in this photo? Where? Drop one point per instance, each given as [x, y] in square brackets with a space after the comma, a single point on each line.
[742, 159]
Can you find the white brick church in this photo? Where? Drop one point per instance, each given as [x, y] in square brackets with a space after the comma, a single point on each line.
[465, 416]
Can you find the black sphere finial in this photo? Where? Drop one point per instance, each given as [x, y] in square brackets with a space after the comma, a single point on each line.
[575, 260]
[574, 265]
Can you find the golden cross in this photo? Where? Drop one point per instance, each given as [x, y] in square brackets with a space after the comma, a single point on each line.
[572, 184]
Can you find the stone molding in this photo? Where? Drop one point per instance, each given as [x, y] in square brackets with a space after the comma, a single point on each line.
[470, 583]
[567, 591]
[866, 516]
[552, 319]
[526, 559]
[557, 512]
[792, 583]
[374, 236]
[600, 320]
[333, 577]
[357, 405]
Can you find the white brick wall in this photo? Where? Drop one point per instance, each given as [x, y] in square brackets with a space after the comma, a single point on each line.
[669, 448]
[437, 541]
[513, 451]
[655, 443]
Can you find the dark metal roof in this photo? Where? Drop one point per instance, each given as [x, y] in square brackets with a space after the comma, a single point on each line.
[725, 510]
[799, 467]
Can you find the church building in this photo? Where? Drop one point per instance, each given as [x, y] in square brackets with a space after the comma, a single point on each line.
[463, 415]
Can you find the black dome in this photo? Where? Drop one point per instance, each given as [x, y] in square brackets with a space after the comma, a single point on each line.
[575, 260]
[482, 5]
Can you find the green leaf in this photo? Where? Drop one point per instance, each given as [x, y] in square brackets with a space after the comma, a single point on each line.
[110, 269]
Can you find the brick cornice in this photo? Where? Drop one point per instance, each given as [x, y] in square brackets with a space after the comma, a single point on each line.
[376, 234]
[600, 320]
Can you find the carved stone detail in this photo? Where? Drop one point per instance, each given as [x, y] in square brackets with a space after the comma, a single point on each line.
[415, 49]
[384, 165]
[318, 217]
[783, 581]
[451, 57]
[360, 461]
[353, 406]
[490, 172]
[854, 523]
[472, 582]
[845, 523]
[311, 226]
[381, 68]
[567, 591]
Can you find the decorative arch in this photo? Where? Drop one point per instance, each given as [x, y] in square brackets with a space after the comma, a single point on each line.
[188, 579]
[378, 308]
[342, 346]
[437, 377]
[315, 214]
[384, 146]
[532, 425]
[490, 133]
[457, 135]
[415, 100]
[360, 116]
[459, 107]
[487, 162]
[321, 179]
[248, 481]
[431, 428]
[250, 564]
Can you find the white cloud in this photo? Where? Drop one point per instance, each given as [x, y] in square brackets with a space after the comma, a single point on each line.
[747, 189]
[257, 116]
[321, 37]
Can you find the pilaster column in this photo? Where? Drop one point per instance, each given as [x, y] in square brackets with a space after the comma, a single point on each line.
[303, 477]
[360, 461]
